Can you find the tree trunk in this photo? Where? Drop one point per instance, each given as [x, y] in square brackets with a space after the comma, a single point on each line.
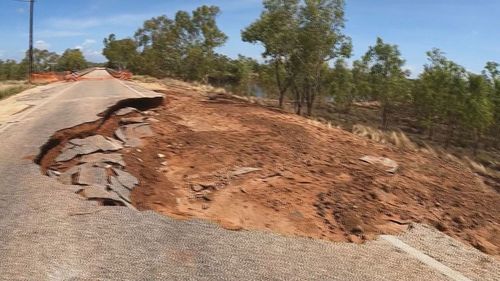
[384, 116]
[451, 134]
[298, 100]
[281, 89]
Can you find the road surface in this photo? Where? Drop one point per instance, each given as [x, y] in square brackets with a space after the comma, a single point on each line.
[47, 232]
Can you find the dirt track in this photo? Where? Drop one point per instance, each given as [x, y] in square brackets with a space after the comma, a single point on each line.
[311, 181]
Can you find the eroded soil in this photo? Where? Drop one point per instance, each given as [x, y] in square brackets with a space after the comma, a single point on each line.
[311, 182]
[306, 179]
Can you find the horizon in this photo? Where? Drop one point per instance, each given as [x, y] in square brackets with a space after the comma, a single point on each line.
[466, 31]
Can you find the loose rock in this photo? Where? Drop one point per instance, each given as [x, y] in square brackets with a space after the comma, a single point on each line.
[243, 170]
[389, 165]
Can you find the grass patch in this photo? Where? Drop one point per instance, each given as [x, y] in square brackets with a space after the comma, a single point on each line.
[5, 93]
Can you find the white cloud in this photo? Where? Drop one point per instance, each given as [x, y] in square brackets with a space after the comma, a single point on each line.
[42, 45]
[2, 53]
[88, 51]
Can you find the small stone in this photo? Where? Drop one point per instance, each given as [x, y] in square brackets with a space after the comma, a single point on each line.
[389, 165]
[242, 189]
[459, 219]
[205, 206]
[243, 170]
[161, 155]
[53, 173]
[138, 150]
[164, 163]
[358, 229]
[196, 187]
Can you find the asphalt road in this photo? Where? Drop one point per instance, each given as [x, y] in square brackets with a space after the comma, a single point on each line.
[47, 232]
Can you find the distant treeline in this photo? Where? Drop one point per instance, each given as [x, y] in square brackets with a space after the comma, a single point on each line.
[43, 61]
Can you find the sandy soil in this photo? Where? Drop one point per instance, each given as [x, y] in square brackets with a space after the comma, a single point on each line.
[308, 180]
[310, 183]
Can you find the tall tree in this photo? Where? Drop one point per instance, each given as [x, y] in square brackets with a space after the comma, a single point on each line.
[183, 47]
[342, 87]
[300, 37]
[276, 30]
[120, 53]
[72, 60]
[387, 77]
[440, 94]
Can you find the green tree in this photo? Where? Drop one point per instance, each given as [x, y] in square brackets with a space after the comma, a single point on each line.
[11, 70]
[440, 94]
[342, 87]
[388, 83]
[492, 74]
[478, 110]
[121, 53]
[276, 30]
[300, 38]
[183, 47]
[72, 60]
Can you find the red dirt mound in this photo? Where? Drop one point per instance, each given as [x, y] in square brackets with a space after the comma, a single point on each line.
[308, 179]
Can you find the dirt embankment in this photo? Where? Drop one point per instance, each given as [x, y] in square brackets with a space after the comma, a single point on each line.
[246, 166]
[308, 179]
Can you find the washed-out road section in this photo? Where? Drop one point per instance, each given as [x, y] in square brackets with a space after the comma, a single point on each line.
[47, 232]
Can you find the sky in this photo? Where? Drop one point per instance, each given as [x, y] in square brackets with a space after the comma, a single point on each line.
[468, 31]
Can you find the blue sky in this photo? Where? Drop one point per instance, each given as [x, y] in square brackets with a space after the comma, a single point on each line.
[467, 30]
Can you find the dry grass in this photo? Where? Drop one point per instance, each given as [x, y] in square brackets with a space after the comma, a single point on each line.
[396, 138]
[6, 92]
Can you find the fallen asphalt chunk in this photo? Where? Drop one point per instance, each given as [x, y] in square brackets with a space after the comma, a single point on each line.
[126, 179]
[119, 189]
[125, 111]
[132, 134]
[98, 192]
[88, 174]
[87, 146]
[132, 120]
[387, 164]
[67, 176]
[112, 158]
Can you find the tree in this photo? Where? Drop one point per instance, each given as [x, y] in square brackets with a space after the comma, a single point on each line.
[492, 74]
[478, 110]
[387, 78]
[72, 60]
[120, 53]
[276, 30]
[300, 38]
[11, 70]
[342, 87]
[183, 47]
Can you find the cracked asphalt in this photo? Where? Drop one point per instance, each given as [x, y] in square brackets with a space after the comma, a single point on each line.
[47, 232]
